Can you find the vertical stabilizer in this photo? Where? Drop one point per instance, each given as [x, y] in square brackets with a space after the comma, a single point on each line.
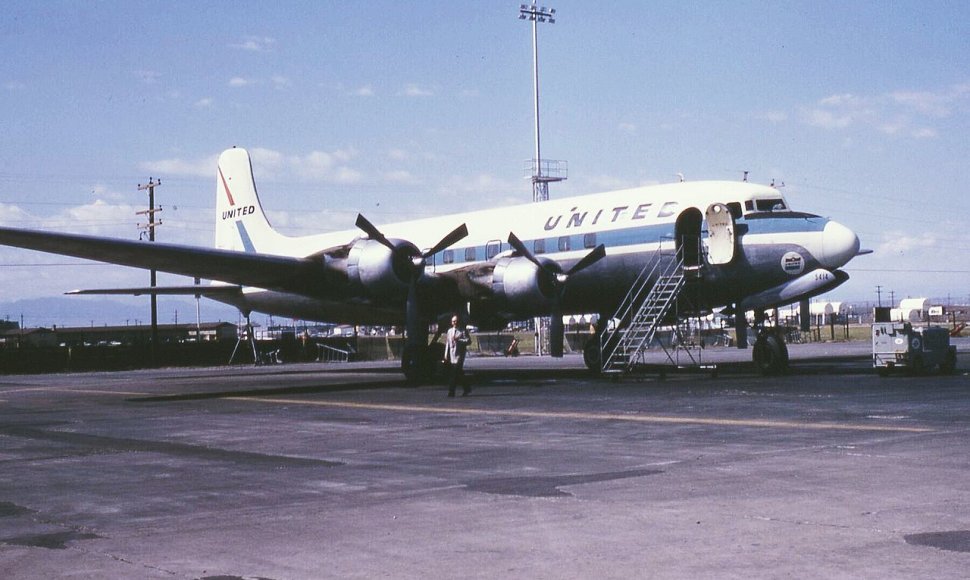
[241, 224]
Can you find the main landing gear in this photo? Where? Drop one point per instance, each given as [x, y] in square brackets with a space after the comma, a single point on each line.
[420, 363]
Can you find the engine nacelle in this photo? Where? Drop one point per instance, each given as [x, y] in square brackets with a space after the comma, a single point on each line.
[520, 289]
[377, 271]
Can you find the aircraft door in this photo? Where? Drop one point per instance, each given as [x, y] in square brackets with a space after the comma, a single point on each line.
[688, 234]
[720, 234]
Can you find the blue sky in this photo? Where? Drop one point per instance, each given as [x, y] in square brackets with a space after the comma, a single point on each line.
[412, 109]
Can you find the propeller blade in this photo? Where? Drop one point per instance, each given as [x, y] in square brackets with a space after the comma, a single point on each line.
[372, 232]
[457, 234]
[516, 243]
[588, 260]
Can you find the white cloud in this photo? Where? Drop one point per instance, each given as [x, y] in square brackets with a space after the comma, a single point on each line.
[14, 85]
[774, 116]
[400, 176]
[901, 113]
[364, 91]
[204, 103]
[414, 90]
[255, 44]
[398, 154]
[280, 82]
[924, 133]
[237, 82]
[316, 166]
[482, 184]
[149, 77]
[901, 243]
[180, 167]
[12, 215]
[628, 128]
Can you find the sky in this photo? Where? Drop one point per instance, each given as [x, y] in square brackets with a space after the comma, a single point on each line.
[412, 109]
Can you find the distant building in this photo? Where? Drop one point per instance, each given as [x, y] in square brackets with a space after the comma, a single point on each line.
[108, 335]
[32, 337]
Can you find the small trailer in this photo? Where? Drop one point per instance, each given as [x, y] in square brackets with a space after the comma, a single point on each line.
[898, 345]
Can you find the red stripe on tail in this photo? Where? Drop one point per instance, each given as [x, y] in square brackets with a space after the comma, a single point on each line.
[225, 185]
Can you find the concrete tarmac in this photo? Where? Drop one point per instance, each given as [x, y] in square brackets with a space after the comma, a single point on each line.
[340, 471]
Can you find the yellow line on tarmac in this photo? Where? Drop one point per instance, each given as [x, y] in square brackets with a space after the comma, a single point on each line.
[632, 417]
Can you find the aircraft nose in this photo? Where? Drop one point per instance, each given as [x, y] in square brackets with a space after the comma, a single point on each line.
[839, 245]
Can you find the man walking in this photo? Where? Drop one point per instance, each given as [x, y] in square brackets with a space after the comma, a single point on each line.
[456, 343]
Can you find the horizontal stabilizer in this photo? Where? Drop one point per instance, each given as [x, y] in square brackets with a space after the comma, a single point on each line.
[162, 291]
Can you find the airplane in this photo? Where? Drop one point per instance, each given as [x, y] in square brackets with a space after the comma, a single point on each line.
[747, 249]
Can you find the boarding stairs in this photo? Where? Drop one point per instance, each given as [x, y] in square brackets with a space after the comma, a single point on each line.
[651, 301]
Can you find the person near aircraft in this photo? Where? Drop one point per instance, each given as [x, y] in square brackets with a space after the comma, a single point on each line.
[456, 345]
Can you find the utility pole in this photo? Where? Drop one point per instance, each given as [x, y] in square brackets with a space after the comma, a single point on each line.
[150, 227]
[543, 172]
[879, 294]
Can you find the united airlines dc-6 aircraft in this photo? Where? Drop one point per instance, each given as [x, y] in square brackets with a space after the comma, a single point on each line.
[743, 247]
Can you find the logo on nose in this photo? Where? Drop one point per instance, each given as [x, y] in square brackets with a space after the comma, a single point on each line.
[793, 263]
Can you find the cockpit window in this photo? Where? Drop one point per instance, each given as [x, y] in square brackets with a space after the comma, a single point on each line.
[771, 205]
[761, 205]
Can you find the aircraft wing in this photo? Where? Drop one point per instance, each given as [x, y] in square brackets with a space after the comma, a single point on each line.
[297, 275]
[197, 290]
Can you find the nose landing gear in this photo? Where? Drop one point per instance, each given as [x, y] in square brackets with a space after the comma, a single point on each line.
[770, 353]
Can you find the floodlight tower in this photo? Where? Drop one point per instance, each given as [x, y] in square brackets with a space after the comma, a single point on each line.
[541, 171]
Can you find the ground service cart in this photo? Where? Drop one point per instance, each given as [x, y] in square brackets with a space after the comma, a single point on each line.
[898, 345]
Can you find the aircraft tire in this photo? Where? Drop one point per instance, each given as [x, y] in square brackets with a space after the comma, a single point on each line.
[592, 355]
[417, 366]
[770, 355]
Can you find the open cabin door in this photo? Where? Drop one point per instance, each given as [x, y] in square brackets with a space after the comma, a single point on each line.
[688, 237]
[720, 234]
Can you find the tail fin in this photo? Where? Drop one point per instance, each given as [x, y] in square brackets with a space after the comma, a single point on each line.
[241, 224]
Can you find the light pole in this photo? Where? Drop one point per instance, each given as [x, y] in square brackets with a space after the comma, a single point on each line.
[543, 172]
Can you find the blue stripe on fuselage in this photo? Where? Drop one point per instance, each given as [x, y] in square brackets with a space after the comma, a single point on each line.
[652, 234]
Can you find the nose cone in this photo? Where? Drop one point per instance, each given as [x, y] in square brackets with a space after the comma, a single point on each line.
[839, 245]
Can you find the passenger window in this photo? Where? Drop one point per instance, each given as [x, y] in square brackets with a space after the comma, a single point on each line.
[539, 247]
[470, 254]
[492, 249]
[589, 241]
[749, 205]
[448, 257]
[735, 208]
[564, 244]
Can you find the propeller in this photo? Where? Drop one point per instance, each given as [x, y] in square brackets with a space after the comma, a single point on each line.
[557, 280]
[408, 263]
[407, 250]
